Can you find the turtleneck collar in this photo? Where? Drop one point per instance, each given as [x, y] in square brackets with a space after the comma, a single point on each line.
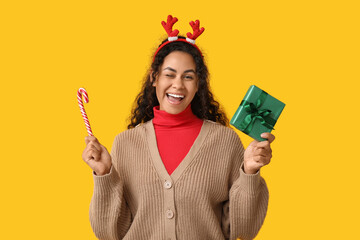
[183, 119]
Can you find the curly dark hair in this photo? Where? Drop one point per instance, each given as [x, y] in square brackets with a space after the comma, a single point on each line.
[203, 104]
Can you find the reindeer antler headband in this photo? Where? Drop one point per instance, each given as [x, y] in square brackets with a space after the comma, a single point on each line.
[173, 34]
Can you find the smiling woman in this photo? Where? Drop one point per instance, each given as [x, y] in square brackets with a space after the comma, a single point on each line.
[176, 83]
[178, 172]
[193, 66]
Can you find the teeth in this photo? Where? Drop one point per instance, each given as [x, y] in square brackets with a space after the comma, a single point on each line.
[177, 96]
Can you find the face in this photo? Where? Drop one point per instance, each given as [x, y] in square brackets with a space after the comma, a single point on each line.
[176, 82]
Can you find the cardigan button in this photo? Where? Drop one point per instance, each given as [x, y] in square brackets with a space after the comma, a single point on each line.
[167, 184]
[169, 214]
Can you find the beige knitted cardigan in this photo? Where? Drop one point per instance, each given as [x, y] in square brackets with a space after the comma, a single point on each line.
[207, 197]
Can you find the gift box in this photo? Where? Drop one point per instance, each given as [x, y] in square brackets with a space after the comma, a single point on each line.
[257, 113]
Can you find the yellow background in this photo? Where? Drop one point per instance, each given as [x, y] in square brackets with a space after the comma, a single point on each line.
[305, 53]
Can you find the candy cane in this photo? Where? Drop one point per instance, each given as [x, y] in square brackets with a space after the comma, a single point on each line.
[82, 92]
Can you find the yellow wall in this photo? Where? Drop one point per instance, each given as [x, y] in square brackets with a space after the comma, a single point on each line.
[305, 53]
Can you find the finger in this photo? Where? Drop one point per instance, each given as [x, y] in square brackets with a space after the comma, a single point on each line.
[262, 152]
[96, 156]
[264, 145]
[267, 160]
[270, 137]
[93, 140]
[87, 155]
[88, 148]
[93, 154]
[92, 164]
[89, 139]
[261, 160]
[253, 144]
[257, 158]
[95, 145]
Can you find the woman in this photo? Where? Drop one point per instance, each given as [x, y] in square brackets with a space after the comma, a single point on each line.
[178, 172]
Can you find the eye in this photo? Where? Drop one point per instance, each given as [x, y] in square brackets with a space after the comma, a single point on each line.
[169, 75]
[189, 77]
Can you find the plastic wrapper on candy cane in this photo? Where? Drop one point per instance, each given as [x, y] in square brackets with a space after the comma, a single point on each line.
[82, 93]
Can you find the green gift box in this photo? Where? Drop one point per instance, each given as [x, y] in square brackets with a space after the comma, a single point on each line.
[257, 113]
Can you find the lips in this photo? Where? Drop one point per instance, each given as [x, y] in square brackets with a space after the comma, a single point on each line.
[175, 98]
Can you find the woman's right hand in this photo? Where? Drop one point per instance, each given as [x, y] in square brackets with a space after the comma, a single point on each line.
[96, 156]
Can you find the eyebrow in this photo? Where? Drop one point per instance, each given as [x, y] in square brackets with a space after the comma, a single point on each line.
[190, 70]
[173, 70]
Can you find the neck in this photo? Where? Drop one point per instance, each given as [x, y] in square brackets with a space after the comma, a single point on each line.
[164, 119]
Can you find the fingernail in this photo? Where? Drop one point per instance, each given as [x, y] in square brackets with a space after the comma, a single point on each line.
[263, 135]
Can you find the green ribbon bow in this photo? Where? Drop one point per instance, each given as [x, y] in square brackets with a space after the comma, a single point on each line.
[255, 113]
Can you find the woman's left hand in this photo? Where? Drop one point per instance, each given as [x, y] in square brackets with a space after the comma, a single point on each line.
[258, 154]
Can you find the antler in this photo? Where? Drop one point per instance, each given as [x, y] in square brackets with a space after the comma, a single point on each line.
[196, 30]
[168, 26]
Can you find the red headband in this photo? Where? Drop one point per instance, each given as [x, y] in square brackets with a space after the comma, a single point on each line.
[173, 34]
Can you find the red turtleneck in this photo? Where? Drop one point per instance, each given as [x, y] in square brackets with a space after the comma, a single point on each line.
[175, 134]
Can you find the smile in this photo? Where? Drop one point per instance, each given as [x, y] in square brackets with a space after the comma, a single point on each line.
[174, 98]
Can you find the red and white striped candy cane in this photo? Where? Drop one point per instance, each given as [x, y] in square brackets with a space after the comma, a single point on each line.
[82, 92]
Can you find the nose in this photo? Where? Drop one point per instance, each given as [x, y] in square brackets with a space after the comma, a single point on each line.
[178, 83]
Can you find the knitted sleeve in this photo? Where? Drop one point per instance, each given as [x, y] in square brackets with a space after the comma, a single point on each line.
[110, 216]
[245, 211]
